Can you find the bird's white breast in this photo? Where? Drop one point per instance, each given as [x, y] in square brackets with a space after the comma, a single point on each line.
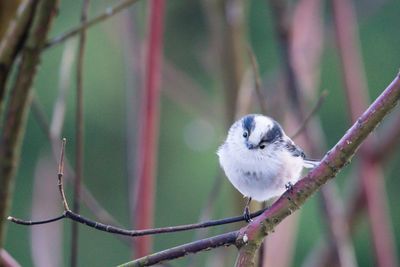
[260, 176]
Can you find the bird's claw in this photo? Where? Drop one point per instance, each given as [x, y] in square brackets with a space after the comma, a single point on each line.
[289, 186]
[246, 214]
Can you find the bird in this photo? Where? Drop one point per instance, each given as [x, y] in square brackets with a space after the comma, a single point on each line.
[260, 160]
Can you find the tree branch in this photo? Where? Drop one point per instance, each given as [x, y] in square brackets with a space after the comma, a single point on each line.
[226, 239]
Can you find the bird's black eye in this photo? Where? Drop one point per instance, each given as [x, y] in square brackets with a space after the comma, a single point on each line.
[262, 146]
[245, 134]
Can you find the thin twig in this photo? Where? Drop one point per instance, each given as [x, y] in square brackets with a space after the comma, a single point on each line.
[133, 233]
[79, 134]
[61, 174]
[23, 222]
[109, 12]
[312, 113]
[226, 239]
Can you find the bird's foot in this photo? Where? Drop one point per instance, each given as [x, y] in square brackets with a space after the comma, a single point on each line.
[289, 186]
[246, 214]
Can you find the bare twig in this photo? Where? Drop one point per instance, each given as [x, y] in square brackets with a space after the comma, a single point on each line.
[312, 113]
[109, 12]
[134, 233]
[79, 134]
[180, 251]
[29, 223]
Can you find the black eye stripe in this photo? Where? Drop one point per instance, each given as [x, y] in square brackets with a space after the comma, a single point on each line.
[273, 134]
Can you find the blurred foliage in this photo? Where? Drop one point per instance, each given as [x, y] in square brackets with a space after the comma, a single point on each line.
[186, 173]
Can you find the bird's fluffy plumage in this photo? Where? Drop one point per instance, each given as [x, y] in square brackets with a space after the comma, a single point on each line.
[259, 159]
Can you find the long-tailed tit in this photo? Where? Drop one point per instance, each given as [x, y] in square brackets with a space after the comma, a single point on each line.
[260, 160]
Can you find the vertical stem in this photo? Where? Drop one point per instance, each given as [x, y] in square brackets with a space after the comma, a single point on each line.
[79, 135]
[148, 136]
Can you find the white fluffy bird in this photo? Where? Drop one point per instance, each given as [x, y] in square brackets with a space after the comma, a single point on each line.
[260, 160]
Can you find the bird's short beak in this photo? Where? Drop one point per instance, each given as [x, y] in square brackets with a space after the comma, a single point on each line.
[250, 145]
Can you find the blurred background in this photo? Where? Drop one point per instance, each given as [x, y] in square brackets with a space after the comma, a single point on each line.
[208, 80]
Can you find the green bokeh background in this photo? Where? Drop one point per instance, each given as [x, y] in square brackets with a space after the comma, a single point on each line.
[185, 176]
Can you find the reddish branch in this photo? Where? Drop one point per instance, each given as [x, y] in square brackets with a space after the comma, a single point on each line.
[148, 135]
